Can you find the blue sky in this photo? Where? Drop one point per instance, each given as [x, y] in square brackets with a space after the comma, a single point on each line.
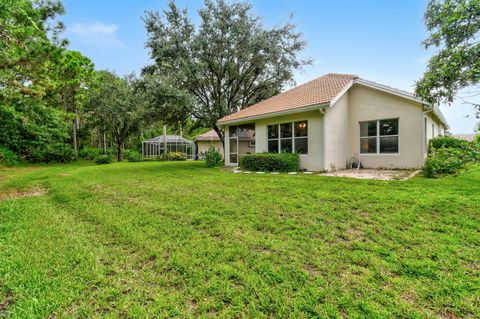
[378, 40]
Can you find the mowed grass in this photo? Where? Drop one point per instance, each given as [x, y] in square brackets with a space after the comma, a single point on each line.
[151, 239]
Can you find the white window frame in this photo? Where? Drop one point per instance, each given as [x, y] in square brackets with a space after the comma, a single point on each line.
[293, 137]
[378, 137]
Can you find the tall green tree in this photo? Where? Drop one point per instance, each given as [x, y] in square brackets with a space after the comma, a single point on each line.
[228, 62]
[111, 100]
[27, 52]
[128, 105]
[32, 121]
[75, 76]
[453, 27]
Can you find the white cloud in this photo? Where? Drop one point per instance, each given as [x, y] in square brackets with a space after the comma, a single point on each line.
[96, 34]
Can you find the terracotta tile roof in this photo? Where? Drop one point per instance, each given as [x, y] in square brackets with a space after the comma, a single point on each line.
[318, 91]
[208, 136]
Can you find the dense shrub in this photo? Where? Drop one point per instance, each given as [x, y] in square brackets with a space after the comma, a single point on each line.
[448, 155]
[469, 150]
[7, 157]
[33, 130]
[446, 142]
[177, 156]
[56, 153]
[60, 153]
[103, 159]
[90, 153]
[213, 157]
[282, 162]
[443, 162]
[134, 156]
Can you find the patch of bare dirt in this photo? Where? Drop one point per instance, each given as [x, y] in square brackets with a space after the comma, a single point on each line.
[7, 301]
[64, 174]
[312, 270]
[35, 191]
[447, 315]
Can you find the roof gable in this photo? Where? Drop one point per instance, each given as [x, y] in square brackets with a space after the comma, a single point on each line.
[208, 136]
[319, 91]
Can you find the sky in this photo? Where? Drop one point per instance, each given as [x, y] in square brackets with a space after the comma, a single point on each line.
[377, 40]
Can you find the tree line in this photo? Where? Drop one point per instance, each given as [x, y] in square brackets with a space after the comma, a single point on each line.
[54, 102]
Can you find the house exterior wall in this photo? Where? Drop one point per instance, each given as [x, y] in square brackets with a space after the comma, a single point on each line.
[203, 146]
[337, 134]
[312, 160]
[434, 128]
[370, 104]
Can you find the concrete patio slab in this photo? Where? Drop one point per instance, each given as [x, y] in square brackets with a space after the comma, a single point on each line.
[378, 174]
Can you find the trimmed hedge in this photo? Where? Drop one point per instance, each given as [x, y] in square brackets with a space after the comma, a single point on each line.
[270, 162]
[213, 157]
[176, 156]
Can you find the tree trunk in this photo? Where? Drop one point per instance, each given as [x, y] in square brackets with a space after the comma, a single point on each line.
[74, 136]
[120, 151]
[220, 134]
[104, 141]
[97, 135]
[165, 156]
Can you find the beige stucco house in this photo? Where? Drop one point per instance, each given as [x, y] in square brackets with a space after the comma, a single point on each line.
[334, 121]
[206, 140]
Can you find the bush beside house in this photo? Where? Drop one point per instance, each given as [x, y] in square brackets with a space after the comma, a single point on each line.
[448, 156]
[213, 157]
[270, 162]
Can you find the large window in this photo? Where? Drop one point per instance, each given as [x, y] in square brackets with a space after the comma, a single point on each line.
[379, 137]
[288, 137]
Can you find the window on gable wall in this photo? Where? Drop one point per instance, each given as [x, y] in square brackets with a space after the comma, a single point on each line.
[379, 137]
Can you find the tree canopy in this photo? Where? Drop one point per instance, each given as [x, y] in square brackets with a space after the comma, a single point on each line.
[27, 54]
[127, 105]
[31, 123]
[453, 27]
[226, 63]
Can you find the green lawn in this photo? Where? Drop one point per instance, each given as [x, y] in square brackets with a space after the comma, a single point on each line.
[158, 239]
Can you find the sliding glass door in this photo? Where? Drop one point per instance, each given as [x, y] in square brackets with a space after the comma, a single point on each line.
[242, 141]
[233, 135]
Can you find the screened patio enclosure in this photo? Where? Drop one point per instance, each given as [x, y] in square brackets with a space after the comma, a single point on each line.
[175, 143]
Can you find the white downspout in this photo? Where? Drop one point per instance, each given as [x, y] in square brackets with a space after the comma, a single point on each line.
[424, 135]
[323, 139]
